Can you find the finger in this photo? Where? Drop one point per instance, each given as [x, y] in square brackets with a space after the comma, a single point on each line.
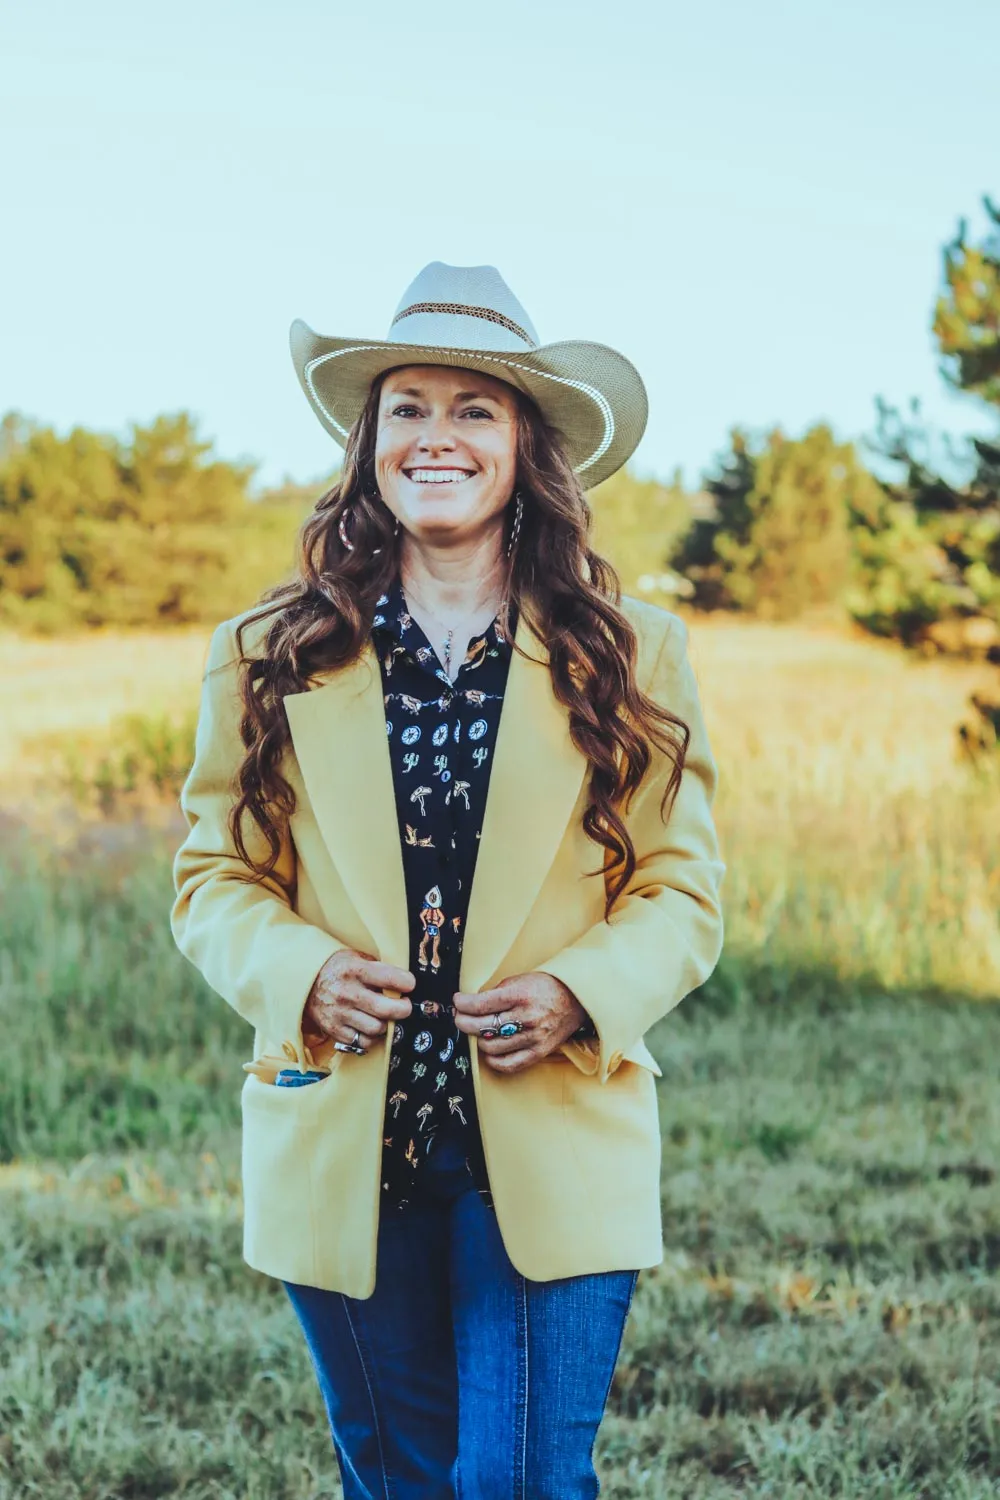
[384, 1006]
[343, 1030]
[340, 1022]
[502, 1046]
[376, 975]
[360, 1020]
[512, 1062]
[489, 1003]
[353, 994]
[471, 1025]
[476, 1025]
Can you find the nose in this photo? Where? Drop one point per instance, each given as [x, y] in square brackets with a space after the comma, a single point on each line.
[436, 433]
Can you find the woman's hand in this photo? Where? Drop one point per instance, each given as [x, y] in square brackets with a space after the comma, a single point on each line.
[548, 1011]
[346, 997]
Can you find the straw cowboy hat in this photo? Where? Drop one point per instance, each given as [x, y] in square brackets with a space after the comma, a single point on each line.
[468, 316]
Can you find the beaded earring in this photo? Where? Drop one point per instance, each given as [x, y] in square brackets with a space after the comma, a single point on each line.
[517, 523]
[342, 529]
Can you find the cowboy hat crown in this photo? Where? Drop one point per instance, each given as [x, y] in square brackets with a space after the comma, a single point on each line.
[467, 316]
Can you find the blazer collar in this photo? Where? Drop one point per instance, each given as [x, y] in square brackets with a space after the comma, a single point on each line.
[338, 733]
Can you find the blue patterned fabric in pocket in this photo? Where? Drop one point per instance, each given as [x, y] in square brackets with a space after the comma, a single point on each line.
[291, 1078]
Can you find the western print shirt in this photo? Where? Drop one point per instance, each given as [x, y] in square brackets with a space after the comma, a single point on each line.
[442, 737]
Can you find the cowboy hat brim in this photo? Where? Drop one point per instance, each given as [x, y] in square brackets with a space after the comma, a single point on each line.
[590, 393]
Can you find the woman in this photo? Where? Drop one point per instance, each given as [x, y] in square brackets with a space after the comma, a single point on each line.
[451, 1149]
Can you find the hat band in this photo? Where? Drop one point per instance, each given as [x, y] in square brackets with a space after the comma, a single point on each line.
[471, 312]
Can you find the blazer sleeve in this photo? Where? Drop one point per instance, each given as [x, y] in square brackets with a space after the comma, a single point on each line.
[664, 935]
[244, 938]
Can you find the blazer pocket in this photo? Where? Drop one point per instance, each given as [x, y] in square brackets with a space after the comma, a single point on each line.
[268, 1065]
[279, 1221]
[584, 1055]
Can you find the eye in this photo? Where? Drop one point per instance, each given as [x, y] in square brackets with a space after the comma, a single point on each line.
[481, 410]
[404, 407]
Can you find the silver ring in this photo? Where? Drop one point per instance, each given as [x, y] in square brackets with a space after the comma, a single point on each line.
[352, 1046]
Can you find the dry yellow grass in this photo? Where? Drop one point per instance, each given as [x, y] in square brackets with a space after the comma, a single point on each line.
[854, 836]
[856, 839]
[82, 684]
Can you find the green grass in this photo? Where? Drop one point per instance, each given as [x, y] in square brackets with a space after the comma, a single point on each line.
[826, 1321]
[138, 759]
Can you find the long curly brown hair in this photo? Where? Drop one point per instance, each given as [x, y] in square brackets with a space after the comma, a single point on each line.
[571, 595]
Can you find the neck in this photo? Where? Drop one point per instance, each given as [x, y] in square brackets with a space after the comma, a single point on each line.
[454, 581]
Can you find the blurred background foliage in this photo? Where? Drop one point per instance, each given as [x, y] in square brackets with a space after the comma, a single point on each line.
[156, 530]
[898, 533]
[150, 531]
[777, 542]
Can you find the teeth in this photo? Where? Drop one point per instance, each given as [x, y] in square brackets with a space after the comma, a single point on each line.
[437, 476]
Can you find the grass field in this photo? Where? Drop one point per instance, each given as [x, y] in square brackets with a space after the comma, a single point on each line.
[827, 1318]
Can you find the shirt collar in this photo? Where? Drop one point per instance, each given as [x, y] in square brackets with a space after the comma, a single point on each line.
[391, 618]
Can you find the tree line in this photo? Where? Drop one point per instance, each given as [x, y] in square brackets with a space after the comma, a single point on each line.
[155, 530]
[909, 547]
[149, 530]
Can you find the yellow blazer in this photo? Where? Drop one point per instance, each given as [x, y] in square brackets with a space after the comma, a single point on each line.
[572, 1143]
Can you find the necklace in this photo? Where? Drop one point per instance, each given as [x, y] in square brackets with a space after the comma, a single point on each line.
[449, 630]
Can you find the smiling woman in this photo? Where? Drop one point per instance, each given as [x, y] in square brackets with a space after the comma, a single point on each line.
[406, 762]
[434, 434]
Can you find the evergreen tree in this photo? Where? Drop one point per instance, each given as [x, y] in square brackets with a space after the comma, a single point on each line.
[929, 550]
[967, 315]
[778, 543]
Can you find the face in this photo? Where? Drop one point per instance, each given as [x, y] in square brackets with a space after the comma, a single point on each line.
[445, 450]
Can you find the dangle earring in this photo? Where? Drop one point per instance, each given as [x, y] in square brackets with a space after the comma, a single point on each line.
[343, 532]
[395, 533]
[342, 529]
[517, 523]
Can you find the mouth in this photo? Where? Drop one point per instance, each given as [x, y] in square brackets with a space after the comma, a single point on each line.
[438, 476]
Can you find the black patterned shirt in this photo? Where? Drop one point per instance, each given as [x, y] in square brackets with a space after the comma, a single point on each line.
[442, 737]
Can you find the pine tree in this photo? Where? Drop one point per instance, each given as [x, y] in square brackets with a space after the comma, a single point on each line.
[929, 550]
[779, 542]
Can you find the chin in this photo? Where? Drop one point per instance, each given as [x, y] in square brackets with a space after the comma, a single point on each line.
[427, 529]
[435, 516]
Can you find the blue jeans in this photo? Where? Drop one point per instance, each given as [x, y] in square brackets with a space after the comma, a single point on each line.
[459, 1377]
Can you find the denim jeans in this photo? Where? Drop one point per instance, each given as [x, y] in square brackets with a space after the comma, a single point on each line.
[459, 1377]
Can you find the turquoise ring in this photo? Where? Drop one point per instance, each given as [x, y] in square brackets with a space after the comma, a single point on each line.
[498, 1028]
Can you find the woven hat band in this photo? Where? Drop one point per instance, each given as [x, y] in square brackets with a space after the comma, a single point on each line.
[464, 310]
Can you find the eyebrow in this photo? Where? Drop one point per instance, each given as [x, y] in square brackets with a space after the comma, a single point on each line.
[459, 395]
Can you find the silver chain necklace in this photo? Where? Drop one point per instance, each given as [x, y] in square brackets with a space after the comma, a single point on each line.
[449, 631]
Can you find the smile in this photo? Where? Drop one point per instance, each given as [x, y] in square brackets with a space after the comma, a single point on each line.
[438, 476]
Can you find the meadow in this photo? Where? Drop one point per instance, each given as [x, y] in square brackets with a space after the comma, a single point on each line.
[826, 1322]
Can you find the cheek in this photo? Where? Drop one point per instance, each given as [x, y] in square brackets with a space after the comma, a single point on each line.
[389, 447]
[496, 450]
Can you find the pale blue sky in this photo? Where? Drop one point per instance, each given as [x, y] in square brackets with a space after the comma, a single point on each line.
[748, 200]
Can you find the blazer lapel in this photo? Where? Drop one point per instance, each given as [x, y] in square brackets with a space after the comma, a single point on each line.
[536, 779]
[338, 732]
